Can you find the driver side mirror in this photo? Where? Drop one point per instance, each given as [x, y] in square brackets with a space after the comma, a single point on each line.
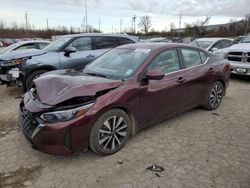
[155, 75]
[69, 50]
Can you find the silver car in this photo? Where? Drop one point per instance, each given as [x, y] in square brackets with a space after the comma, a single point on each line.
[25, 45]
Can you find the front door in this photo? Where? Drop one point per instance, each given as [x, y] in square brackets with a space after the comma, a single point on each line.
[161, 98]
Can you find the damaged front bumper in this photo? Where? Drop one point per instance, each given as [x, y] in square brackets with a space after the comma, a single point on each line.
[59, 138]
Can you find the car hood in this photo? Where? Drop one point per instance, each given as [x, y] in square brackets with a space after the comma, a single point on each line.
[21, 54]
[59, 86]
[240, 47]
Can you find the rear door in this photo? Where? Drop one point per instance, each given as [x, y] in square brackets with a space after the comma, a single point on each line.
[198, 74]
[161, 98]
[82, 56]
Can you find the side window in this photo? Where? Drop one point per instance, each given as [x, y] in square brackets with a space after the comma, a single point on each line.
[203, 57]
[191, 57]
[124, 41]
[217, 45]
[106, 42]
[82, 44]
[26, 46]
[167, 61]
[226, 43]
[42, 45]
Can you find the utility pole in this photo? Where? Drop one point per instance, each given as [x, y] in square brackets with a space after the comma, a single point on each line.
[86, 16]
[179, 34]
[47, 23]
[134, 21]
[248, 16]
[26, 20]
[99, 22]
[121, 25]
[112, 29]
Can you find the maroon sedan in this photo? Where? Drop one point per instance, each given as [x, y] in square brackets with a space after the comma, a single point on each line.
[120, 93]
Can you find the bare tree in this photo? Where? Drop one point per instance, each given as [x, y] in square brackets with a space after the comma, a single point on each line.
[172, 26]
[145, 23]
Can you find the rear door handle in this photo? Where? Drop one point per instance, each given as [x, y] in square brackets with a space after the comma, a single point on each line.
[180, 80]
[90, 56]
[211, 70]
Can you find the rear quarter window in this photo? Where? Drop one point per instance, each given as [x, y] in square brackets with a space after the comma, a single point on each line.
[124, 41]
[106, 42]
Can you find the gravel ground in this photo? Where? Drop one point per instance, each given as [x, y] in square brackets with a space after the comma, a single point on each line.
[196, 149]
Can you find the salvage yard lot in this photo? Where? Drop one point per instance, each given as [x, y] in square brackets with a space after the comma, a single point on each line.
[196, 149]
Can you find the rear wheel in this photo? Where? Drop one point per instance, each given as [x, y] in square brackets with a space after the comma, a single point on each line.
[33, 76]
[110, 132]
[215, 96]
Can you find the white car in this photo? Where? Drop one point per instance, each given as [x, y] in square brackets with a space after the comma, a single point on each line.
[238, 56]
[212, 44]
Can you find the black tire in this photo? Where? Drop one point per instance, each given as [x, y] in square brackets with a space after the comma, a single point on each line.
[215, 96]
[31, 77]
[106, 141]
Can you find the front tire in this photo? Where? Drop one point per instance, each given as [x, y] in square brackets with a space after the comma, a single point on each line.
[33, 76]
[110, 132]
[215, 96]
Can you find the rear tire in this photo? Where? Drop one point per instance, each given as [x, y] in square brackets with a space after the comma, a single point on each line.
[215, 96]
[33, 76]
[110, 132]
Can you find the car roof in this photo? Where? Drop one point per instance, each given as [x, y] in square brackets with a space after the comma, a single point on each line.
[155, 46]
[102, 35]
[214, 39]
[33, 41]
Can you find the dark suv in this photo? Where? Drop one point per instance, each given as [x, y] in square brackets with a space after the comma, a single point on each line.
[68, 52]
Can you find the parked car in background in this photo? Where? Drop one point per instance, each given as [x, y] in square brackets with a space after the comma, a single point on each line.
[160, 39]
[238, 56]
[7, 42]
[212, 44]
[25, 45]
[68, 52]
[123, 91]
[238, 39]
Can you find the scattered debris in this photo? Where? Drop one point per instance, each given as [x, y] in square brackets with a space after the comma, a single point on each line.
[120, 162]
[158, 175]
[155, 168]
[215, 114]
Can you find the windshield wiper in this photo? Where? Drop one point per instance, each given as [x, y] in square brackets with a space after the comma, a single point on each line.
[95, 74]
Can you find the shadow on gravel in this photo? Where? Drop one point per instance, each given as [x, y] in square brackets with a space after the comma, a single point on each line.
[240, 77]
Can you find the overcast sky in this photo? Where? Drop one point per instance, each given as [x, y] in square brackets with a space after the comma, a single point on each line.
[110, 12]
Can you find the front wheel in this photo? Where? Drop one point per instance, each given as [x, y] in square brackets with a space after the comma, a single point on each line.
[110, 132]
[33, 76]
[215, 96]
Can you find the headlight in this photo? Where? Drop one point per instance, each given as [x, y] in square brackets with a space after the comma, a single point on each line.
[65, 115]
[13, 62]
[225, 55]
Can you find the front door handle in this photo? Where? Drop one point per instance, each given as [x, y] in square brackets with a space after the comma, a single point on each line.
[180, 80]
[90, 56]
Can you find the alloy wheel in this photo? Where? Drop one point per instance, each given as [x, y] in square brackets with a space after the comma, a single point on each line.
[112, 133]
[216, 95]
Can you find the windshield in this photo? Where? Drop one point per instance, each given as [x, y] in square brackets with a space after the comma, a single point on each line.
[202, 44]
[56, 45]
[4, 50]
[117, 63]
[246, 39]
